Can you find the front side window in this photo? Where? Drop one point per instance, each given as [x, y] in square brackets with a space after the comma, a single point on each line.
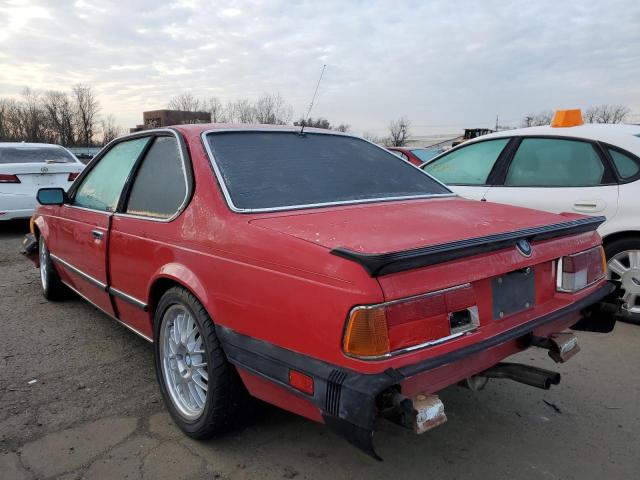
[27, 154]
[101, 188]
[425, 155]
[625, 165]
[550, 162]
[280, 170]
[468, 165]
[159, 187]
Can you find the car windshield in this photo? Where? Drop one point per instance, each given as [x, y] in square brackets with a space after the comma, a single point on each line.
[283, 170]
[26, 154]
[424, 154]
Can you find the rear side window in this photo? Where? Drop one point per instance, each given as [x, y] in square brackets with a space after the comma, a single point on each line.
[625, 165]
[51, 154]
[101, 188]
[469, 165]
[547, 162]
[281, 170]
[160, 185]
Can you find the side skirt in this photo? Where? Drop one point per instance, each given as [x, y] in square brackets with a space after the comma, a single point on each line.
[150, 340]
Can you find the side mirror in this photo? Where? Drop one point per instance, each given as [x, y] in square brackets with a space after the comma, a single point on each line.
[51, 196]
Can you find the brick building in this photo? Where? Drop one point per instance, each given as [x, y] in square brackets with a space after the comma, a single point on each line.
[164, 118]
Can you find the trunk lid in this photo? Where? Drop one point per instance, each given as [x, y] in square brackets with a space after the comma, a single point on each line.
[398, 226]
[33, 176]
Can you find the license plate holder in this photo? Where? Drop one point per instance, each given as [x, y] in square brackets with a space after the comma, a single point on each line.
[513, 292]
[43, 180]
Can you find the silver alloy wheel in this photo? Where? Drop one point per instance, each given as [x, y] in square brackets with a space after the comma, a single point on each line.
[625, 269]
[184, 365]
[43, 265]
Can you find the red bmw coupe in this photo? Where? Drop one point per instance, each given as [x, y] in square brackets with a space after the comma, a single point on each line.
[315, 271]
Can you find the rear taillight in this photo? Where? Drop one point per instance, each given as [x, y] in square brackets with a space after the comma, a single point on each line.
[73, 176]
[381, 330]
[580, 270]
[5, 178]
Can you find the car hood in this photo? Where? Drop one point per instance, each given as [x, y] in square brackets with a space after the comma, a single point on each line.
[396, 226]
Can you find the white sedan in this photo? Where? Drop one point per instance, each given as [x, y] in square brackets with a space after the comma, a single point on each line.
[27, 167]
[590, 169]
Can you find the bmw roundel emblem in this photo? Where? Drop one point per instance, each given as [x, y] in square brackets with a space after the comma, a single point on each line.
[524, 247]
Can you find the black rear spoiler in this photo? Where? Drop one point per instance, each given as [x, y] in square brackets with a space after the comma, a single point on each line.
[377, 264]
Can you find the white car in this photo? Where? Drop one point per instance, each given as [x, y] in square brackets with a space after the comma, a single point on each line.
[27, 167]
[590, 169]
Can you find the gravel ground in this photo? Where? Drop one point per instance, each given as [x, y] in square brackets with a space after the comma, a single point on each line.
[94, 410]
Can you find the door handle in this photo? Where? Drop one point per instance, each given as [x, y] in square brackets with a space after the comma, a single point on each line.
[97, 234]
[589, 205]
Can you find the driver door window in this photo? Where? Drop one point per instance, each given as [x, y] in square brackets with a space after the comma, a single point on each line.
[101, 188]
[83, 233]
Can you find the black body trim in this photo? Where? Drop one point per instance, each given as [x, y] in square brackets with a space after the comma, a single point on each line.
[347, 398]
[85, 276]
[128, 298]
[377, 264]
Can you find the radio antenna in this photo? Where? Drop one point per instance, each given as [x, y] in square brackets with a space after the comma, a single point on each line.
[313, 99]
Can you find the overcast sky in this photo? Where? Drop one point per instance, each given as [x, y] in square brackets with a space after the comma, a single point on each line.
[445, 65]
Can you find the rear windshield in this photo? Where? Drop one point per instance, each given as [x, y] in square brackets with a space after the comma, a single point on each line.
[51, 154]
[272, 170]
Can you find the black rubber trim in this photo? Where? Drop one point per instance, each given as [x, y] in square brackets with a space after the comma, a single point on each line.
[351, 411]
[127, 298]
[85, 276]
[377, 264]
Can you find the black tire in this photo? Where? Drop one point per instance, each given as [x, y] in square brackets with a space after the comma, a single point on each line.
[611, 249]
[52, 287]
[226, 396]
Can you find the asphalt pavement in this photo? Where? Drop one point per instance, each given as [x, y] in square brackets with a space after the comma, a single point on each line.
[78, 399]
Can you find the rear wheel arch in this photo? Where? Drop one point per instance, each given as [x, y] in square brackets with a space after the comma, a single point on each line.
[163, 283]
[627, 234]
[616, 245]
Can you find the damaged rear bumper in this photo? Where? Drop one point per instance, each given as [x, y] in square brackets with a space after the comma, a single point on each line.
[349, 400]
[30, 247]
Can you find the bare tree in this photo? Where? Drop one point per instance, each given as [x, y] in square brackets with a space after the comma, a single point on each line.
[527, 121]
[399, 132]
[87, 108]
[271, 109]
[33, 117]
[535, 120]
[241, 111]
[217, 110]
[590, 115]
[186, 102]
[606, 114]
[9, 119]
[318, 122]
[373, 138]
[343, 127]
[60, 117]
[110, 130]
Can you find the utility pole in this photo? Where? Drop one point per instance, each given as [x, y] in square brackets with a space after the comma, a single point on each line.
[496, 122]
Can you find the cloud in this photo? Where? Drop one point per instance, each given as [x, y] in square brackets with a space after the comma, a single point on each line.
[445, 65]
